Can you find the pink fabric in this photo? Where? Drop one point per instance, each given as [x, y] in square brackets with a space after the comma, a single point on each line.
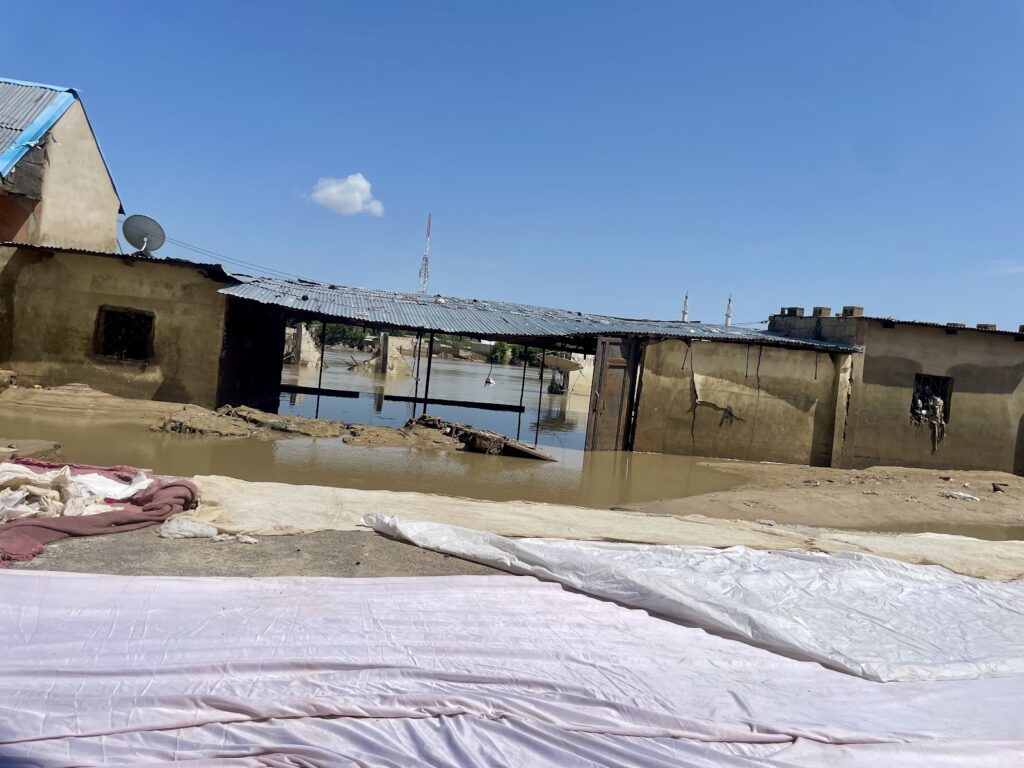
[121, 472]
[24, 539]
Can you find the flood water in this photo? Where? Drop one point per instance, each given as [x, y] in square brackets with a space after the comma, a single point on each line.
[586, 479]
[562, 422]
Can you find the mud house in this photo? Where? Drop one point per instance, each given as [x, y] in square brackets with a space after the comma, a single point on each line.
[923, 394]
[55, 187]
[135, 326]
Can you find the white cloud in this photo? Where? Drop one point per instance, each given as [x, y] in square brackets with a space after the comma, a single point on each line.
[347, 196]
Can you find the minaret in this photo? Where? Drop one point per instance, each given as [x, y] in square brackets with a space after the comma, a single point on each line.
[686, 308]
[728, 311]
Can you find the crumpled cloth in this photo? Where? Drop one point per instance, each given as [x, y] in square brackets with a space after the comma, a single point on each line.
[24, 539]
[121, 473]
[41, 489]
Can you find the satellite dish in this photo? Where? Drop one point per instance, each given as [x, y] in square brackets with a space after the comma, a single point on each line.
[143, 233]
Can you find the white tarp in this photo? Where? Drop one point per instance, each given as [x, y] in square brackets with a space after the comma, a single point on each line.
[443, 671]
[869, 616]
[269, 509]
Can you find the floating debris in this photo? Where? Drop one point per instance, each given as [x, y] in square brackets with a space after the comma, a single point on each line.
[481, 440]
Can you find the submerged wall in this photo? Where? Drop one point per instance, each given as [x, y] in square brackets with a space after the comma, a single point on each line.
[738, 400]
[49, 303]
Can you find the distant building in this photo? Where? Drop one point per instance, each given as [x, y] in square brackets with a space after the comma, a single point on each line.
[55, 188]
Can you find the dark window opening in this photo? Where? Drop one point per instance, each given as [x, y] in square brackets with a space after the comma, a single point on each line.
[932, 398]
[124, 334]
[930, 405]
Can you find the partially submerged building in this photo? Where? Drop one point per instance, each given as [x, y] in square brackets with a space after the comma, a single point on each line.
[847, 391]
[659, 386]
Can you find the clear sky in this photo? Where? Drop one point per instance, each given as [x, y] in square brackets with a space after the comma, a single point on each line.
[589, 155]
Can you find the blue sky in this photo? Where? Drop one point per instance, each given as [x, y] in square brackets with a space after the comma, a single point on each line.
[590, 155]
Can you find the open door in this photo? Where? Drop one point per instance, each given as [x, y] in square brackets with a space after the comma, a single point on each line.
[610, 422]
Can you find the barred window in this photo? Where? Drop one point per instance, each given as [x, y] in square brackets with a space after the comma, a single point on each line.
[932, 398]
[124, 334]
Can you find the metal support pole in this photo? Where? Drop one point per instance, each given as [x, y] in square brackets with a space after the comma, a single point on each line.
[540, 396]
[320, 378]
[416, 391]
[522, 391]
[430, 359]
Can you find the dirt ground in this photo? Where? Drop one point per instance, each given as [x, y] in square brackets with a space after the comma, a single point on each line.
[880, 498]
[81, 401]
[327, 553]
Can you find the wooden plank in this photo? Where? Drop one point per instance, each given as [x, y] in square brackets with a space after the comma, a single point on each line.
[351, 393]
[295, 389]
[459, 403]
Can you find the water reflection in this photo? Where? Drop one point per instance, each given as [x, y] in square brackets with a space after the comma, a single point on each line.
[562, 422]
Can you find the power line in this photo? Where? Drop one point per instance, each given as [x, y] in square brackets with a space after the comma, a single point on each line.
[230, 259]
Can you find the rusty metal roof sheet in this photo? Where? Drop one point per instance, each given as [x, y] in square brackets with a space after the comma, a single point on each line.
[480, 318]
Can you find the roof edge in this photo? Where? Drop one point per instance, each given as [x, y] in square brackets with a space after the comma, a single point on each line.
[12, 81]
[217, 271]
[36, 130]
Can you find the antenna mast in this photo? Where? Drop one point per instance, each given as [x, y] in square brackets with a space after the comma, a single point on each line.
[425, 266]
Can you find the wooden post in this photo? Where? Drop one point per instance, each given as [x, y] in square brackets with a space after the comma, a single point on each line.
[430, 359]
[320, 378]
[416, 372]
[522, 391]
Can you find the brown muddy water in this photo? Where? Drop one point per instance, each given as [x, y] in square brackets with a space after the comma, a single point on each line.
[591, 479]
[559, 422]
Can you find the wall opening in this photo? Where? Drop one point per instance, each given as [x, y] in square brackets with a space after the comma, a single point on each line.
[124, 334]
[931, 403]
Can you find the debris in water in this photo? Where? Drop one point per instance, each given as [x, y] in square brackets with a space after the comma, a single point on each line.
[481, 440]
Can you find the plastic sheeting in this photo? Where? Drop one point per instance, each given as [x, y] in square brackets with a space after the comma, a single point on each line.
[868, 616]
[449, 671]
[268, 509]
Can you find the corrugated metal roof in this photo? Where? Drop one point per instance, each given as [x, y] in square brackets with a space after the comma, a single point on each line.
[479, 318]
[27, 111]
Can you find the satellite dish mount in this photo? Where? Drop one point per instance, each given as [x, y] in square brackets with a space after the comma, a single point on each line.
[144, 233]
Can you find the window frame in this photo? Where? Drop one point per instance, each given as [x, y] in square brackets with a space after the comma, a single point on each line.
[97, 336]
[946, 392]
